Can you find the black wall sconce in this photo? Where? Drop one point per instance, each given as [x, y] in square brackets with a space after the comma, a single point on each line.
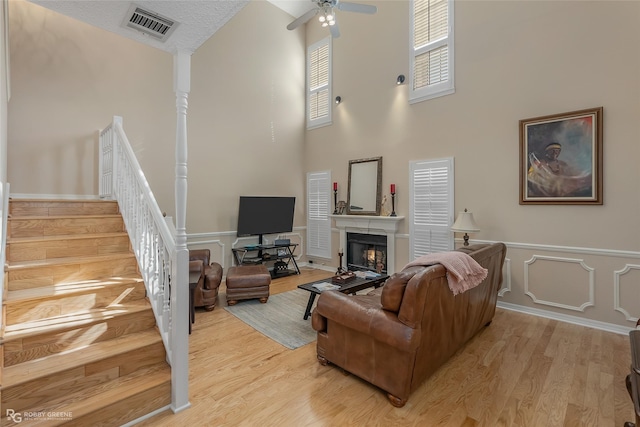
[338, 99]
[400, 79]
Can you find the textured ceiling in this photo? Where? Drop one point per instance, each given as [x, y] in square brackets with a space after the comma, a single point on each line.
[199, 19]
[295, 8]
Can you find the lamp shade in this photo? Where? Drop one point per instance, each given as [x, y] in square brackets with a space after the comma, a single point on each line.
[465, 223]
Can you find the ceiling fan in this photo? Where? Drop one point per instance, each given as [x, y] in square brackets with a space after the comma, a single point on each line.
[326, 9]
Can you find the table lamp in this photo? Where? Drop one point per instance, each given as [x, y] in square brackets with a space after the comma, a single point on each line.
[465, 224]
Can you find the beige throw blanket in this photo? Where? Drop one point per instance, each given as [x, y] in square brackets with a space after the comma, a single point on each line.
[463, 272]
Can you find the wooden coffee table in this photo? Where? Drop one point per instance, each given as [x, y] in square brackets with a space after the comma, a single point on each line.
[351, 287]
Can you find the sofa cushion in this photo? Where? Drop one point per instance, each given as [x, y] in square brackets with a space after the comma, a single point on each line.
[393, 290]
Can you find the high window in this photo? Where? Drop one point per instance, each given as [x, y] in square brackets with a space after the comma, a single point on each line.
[318, 210]
[431, 207]
[319, 84]
[431, 64]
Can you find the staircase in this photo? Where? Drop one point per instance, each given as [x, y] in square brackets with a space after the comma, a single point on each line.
[80, 344]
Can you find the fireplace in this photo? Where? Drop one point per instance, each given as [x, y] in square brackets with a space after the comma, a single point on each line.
[384, 227]
[367, 252]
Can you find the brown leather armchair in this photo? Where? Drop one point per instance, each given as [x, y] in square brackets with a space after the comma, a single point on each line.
[397, 336]
[633, 379]
[206, 292]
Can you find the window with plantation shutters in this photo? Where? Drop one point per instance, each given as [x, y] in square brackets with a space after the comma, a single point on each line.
[318, 211]
[431, 207]
[431, 65]
[319, 84]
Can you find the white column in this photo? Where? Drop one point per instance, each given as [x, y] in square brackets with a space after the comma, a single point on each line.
[180, 288]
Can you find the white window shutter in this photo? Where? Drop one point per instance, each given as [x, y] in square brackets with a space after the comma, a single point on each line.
[431, 63]
[431, 207]
[318, 210]
[319, 83]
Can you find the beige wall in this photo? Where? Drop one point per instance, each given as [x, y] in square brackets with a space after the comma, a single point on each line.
[246, 125]
[245, 119]
[514, 60]
[4, 56]
[68, 80]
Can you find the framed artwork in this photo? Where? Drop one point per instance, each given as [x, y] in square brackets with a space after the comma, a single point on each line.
[561, 158]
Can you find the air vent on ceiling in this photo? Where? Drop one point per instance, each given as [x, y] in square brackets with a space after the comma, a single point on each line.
[150, 23]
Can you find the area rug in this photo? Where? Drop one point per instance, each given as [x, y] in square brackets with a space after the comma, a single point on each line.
[280, 319]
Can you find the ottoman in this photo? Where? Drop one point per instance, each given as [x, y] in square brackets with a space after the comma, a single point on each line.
[248, 282]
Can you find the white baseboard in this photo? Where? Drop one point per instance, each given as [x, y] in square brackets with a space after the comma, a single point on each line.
[595, 324]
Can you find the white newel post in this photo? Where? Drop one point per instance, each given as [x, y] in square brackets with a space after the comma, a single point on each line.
[180, 290]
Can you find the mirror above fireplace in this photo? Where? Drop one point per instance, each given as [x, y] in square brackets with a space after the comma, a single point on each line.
[364, 195]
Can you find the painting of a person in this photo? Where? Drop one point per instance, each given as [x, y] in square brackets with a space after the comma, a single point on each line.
[551, 162]
[561, 158]
[549, 176]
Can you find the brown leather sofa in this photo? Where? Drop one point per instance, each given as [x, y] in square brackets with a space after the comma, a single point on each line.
[397, 336]
[206, 292]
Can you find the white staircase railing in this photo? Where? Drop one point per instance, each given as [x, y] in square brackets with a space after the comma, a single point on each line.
[4, 214]
[122, 179]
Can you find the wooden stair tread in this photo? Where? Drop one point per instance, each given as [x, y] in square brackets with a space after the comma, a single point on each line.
[71, 321]
[79, 319]
[67, 260]
[64, 289]
[65, 237]
[53, 217]
[34, 369]
[102, 395]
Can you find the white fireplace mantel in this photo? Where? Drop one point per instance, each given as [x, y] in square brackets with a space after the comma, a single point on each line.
[369, 224]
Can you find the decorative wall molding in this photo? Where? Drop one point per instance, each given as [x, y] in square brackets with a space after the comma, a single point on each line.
[211, 242]
[569, 249]
[506, 278]
[590, 270]
[616, 290]
[214, 237]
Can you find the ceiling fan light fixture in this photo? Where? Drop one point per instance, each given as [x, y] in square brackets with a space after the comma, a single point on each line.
[324, 10]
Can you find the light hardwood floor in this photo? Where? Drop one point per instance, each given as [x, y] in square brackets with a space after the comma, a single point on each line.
[522, 370]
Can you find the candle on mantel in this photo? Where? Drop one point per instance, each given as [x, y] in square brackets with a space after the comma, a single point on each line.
[393, 188]
[335, 186]
[340, 251]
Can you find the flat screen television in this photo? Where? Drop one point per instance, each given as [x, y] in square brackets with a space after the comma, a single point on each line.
[259, 215]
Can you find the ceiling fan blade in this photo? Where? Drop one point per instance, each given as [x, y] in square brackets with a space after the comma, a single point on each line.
[335, 31]
[356, 7]
[301, 20]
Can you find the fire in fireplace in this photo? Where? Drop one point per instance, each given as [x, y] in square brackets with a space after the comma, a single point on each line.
[367, 252]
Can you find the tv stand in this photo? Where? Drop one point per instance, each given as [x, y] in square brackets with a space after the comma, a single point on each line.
[278, 258]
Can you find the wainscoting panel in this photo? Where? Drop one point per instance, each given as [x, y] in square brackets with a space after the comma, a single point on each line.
[559, 282]
[627, 291]
[220, 244]
[590, 286]
[594, 287]
[506, 278]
